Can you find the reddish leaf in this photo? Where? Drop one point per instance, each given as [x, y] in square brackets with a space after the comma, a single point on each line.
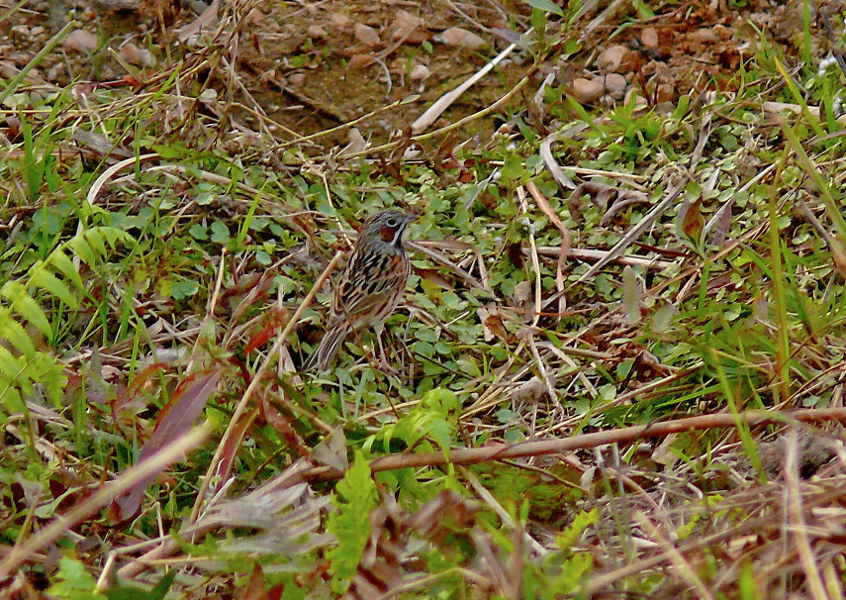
[283, 427]
[175, 420]
[255, 587]
[278, 319]
[723, 225]
[128, 394]
[691, 220]
[230, 450]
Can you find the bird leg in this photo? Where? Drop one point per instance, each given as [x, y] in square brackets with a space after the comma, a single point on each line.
[383, 364]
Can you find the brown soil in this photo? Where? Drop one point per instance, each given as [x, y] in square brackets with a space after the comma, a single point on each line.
[310, 68]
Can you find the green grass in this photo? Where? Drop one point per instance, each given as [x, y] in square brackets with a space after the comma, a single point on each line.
[189, 264]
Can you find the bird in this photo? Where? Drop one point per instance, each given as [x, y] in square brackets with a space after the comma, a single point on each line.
[370, 287]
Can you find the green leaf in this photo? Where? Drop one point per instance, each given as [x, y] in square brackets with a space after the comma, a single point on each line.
[220, 232]
[10, 399]
[28, 308]
[11, 367]
[198, 232]
[133, 593]
[539, 21]
[13, 331]
[82, 249]
[65, 265]
[513, 169]
[354, 498]
[74, 582]
[546, 5]
[43, 278]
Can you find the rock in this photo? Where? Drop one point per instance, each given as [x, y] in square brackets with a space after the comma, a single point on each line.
[81, 41]
[419, 72]
[55, 72]
[616, 59]
[316, 32]
[341, 21]
[666, 92]
[615, 85]
[256, 17]
[587, 91]
[19, 32]
[614, 82]
[702, 36]
[404, 26]
[366, 34]
[36, 31]
[639, 100]
[360, 61]
[461, 38]
[135, 55]
[8, 70]
[649, 38]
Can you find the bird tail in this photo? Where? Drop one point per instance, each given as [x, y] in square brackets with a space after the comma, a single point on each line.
[327, 349]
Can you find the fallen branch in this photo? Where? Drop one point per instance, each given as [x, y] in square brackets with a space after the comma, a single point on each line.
[626, 435]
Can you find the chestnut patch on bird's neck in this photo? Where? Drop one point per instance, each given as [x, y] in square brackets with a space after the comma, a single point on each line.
[388, 233]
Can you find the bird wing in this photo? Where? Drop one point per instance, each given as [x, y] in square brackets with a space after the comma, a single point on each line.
[369, 281]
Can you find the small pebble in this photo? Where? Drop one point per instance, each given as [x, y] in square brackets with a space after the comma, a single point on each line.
[587, 91]
[649, 38]
[366, 34]
[136, 56]
[81, 41]
[419, 72]
[615, 59]
[461, 38]
[360, 61]
[341, 20]
[316, 32]
[20, 32]
[703, 36]
[666, 92]
[615, 84]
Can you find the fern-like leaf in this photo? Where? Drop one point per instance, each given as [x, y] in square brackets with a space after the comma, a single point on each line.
[65, 266]
[25, 305]
[42, 278]
[13, 331]
[354, 498]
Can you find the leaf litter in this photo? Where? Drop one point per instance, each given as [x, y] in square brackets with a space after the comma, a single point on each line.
[661, 319]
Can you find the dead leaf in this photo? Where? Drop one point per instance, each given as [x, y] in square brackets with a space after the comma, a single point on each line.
[332, 451]
[404, 25]
[564, 250]
[493, 323]
[205, 22]
[631, 296]
[522, 292]
[723, 225]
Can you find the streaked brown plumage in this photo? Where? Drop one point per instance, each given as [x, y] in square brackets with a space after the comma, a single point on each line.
[371, 285]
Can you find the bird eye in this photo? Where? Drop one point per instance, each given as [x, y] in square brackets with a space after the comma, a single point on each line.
[392, 222]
